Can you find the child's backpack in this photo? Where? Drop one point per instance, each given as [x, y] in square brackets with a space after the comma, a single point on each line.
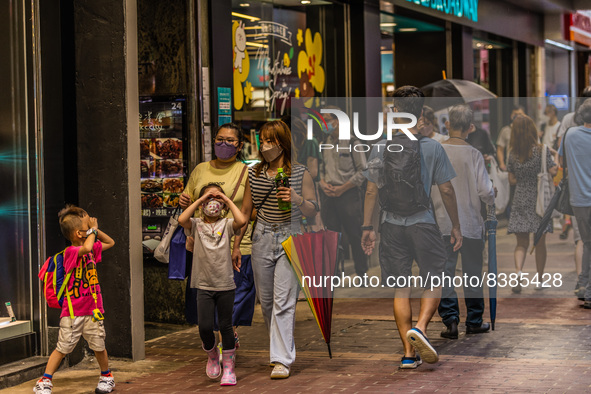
[55, 282]
[403, 192]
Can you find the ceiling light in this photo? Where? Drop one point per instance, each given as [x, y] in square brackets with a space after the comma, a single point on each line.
[559, 45]
[305, 2]
[489, 47]
[244, 5]
[407, 29]
[478, 45]
[251, 18]
[387, 24]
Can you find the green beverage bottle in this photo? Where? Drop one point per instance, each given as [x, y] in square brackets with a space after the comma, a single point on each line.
[282, 180]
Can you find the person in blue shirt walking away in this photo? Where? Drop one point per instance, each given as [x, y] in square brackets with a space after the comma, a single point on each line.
[574, 155]
[411, 233]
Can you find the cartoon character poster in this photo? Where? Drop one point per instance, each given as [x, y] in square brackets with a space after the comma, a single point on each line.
[241, 58]
[274, 61]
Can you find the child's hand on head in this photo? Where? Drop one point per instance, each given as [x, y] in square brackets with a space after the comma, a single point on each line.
[219, 196]
[209, 195]
[92, 222]
[223, 197]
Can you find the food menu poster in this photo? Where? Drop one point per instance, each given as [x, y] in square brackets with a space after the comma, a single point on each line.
[161, 151]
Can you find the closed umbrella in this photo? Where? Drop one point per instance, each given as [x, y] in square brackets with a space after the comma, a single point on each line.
[491, 231]
[315, 255]
[548, 213]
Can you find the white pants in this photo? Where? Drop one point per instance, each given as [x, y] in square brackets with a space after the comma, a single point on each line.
[277, 288]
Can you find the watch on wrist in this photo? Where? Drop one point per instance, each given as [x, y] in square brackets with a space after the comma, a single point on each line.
[366, 228]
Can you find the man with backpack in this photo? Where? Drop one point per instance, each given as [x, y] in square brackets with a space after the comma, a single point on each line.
[402, 180]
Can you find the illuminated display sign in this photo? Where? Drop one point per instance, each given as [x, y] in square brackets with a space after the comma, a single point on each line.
[580, 27]
[460, 8]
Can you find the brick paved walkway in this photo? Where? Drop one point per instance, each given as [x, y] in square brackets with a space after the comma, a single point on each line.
[539, 345]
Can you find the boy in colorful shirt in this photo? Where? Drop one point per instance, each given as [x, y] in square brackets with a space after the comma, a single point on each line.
[83, 305]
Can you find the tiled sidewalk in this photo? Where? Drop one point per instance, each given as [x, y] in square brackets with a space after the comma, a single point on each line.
[539, 345]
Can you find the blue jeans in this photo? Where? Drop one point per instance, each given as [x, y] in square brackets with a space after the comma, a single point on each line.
[449, 308]
[277, 288]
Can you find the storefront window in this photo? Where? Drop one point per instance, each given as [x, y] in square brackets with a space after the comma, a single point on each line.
[557, 71]
[412, 50]
[489, 56]
[16, 163]
[279, 52]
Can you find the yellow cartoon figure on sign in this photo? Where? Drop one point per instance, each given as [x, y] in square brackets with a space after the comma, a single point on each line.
[247, 92]
[241, 62]
[310, 70]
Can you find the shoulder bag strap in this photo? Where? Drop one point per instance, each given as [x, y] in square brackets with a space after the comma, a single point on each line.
[544, 170]
[259, 206]
[239, 181]
[353, 156]
[564, 150]
[264, 200]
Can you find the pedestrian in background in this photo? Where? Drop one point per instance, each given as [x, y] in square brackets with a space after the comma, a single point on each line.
[569, 121]
[504, 138]
[480, 139]
[525, 161]
[427, 125]
[307, 152]
[575, 152]
[549, 126]
[472, 186]
[341, 183]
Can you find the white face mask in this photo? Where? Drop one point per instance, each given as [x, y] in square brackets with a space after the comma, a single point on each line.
[213, 208]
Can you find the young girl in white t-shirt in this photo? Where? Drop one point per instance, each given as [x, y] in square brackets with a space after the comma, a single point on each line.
[212, 274]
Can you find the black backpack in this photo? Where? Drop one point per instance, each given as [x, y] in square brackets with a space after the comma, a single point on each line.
[403, 192]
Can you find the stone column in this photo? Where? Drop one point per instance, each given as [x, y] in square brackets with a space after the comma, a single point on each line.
[365, 49]
[109, 157]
